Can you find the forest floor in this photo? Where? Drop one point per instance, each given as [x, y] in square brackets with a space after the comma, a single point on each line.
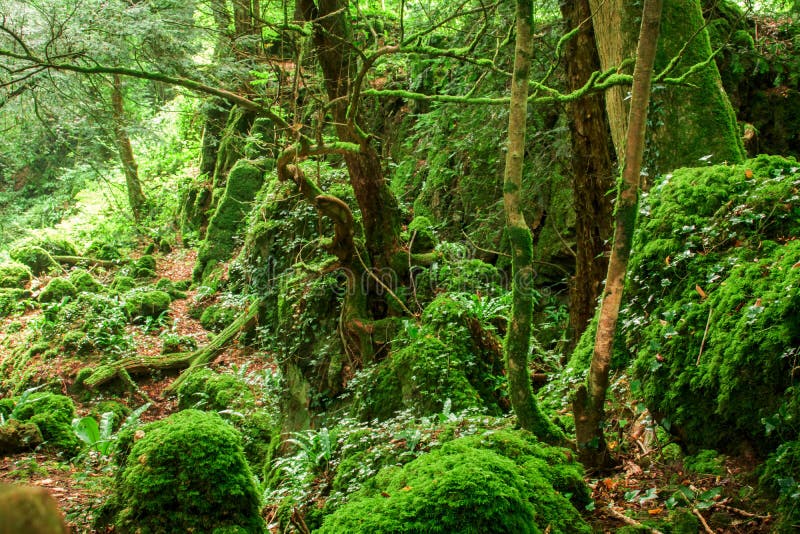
[639, 490]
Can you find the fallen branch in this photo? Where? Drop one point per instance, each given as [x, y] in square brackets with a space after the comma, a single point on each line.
[629, 520]
[77, 260]
[706, 528]
[743, 513]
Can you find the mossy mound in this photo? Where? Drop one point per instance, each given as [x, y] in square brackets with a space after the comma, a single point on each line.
[53, 415]
[103, 250]
[37, 259]
[12, 300]
[420, 235]
[451, 357]
[217, 317]
[53, 244]
[17, 436]
[84, 281]
[244, 181]
[713, 295]
[123, 283]
[57, 290]
[166, 285]
[140, 304]
[781, 481]
[144, 267]
[208, 390]
[187, 474]
[495, 482]
[76, 341]
[14, 275]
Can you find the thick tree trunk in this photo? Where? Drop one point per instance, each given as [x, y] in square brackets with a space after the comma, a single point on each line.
[380, 213]
[136, 197]
[590, 399]
[529, 415]
[692, 118]
[592, 169]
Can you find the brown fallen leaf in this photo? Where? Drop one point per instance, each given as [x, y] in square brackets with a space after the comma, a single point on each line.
[700, 291]
[655, 511]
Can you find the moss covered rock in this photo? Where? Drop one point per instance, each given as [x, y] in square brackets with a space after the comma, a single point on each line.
[146, 303]
[37, 259]
[84, 281]
[57, 290]
[244, 181]
[217, 317]
[496, 482]
[17, 436]
[420, 235]
[187, 474]
[12, 300]
[53, 415]
[208, 390]
[14, 275]
[123, 283]
[712, 296]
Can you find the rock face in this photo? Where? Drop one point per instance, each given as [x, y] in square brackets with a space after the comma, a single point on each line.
[26, 510]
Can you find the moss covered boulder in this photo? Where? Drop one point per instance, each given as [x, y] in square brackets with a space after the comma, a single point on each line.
[57, 290]
[37, 259]
[11, 300]
[217, 317]
[84, 281]
[144, 303]
[497, 482]
[17, 436]
[244, 181]
[53, 415]
[186, 473]
[14, 275]
[713, 294]
[210, 390]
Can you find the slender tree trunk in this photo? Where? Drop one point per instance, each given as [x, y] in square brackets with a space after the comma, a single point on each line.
[692, 118]
[592, 169]
[517, 346]
[590, 399]
[136, 197]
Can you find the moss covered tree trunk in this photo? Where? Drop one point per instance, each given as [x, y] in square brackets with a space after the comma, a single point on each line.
[379, 210]
[517, 346]
[136, 197]
[590, 398]
[592, 168]
[691, 114]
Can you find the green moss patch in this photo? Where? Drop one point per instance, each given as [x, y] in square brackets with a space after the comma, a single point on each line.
[53, 415]
[187, 474]
[57, 290]
[14, 275]
[144, 303]
[83, 281]
[37, 259]
[217, 317]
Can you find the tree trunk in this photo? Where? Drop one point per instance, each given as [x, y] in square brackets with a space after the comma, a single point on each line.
[526, 408]
[592, 169]
[589, 402]
[136, 197]
[380, 213]
[690, 119]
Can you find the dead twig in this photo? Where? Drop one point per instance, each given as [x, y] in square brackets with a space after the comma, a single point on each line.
[706, 528]
[629, 520]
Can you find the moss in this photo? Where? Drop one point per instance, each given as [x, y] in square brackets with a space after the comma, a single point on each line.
[119, 410]
[17, 436]
[188, 473]
[217, 317]
[243, 183]
[705, 462]
[123, 283]
[165, 284]
[104, 251]
[145, 303]
[713, 251]
[57, 290]
[14, 275]
[53, 415]
[53, 244]
[420, 235]
[37, 259]
[83, 281]
[12, 300]
[500, 483]
[780, 480]
[438, 362]
[147, 262]
[208, 390]
[175, 343]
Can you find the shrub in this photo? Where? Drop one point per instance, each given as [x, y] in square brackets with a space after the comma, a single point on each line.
[14, 275]
[188, 473]
[57, 290]
[146, 303]
[37, 259]
[496, 482]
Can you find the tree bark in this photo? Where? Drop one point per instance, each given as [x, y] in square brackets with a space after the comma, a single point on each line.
[592, 169]
[590, 399]
[517, 346]
[136, 197]
[691, 117]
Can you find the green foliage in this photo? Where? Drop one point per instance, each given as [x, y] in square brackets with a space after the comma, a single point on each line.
[420, 235]
[13, 300]
[57, 290]
[781, 480]
[123, 283]
[14, 275]
[495, 482]
[705, 462]
[53, 415]
[143, 303]
[83, 281]
[712, 294]
[208, 390]
[187, 473]
[446, 358]
[37, 259]
[217, 317]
